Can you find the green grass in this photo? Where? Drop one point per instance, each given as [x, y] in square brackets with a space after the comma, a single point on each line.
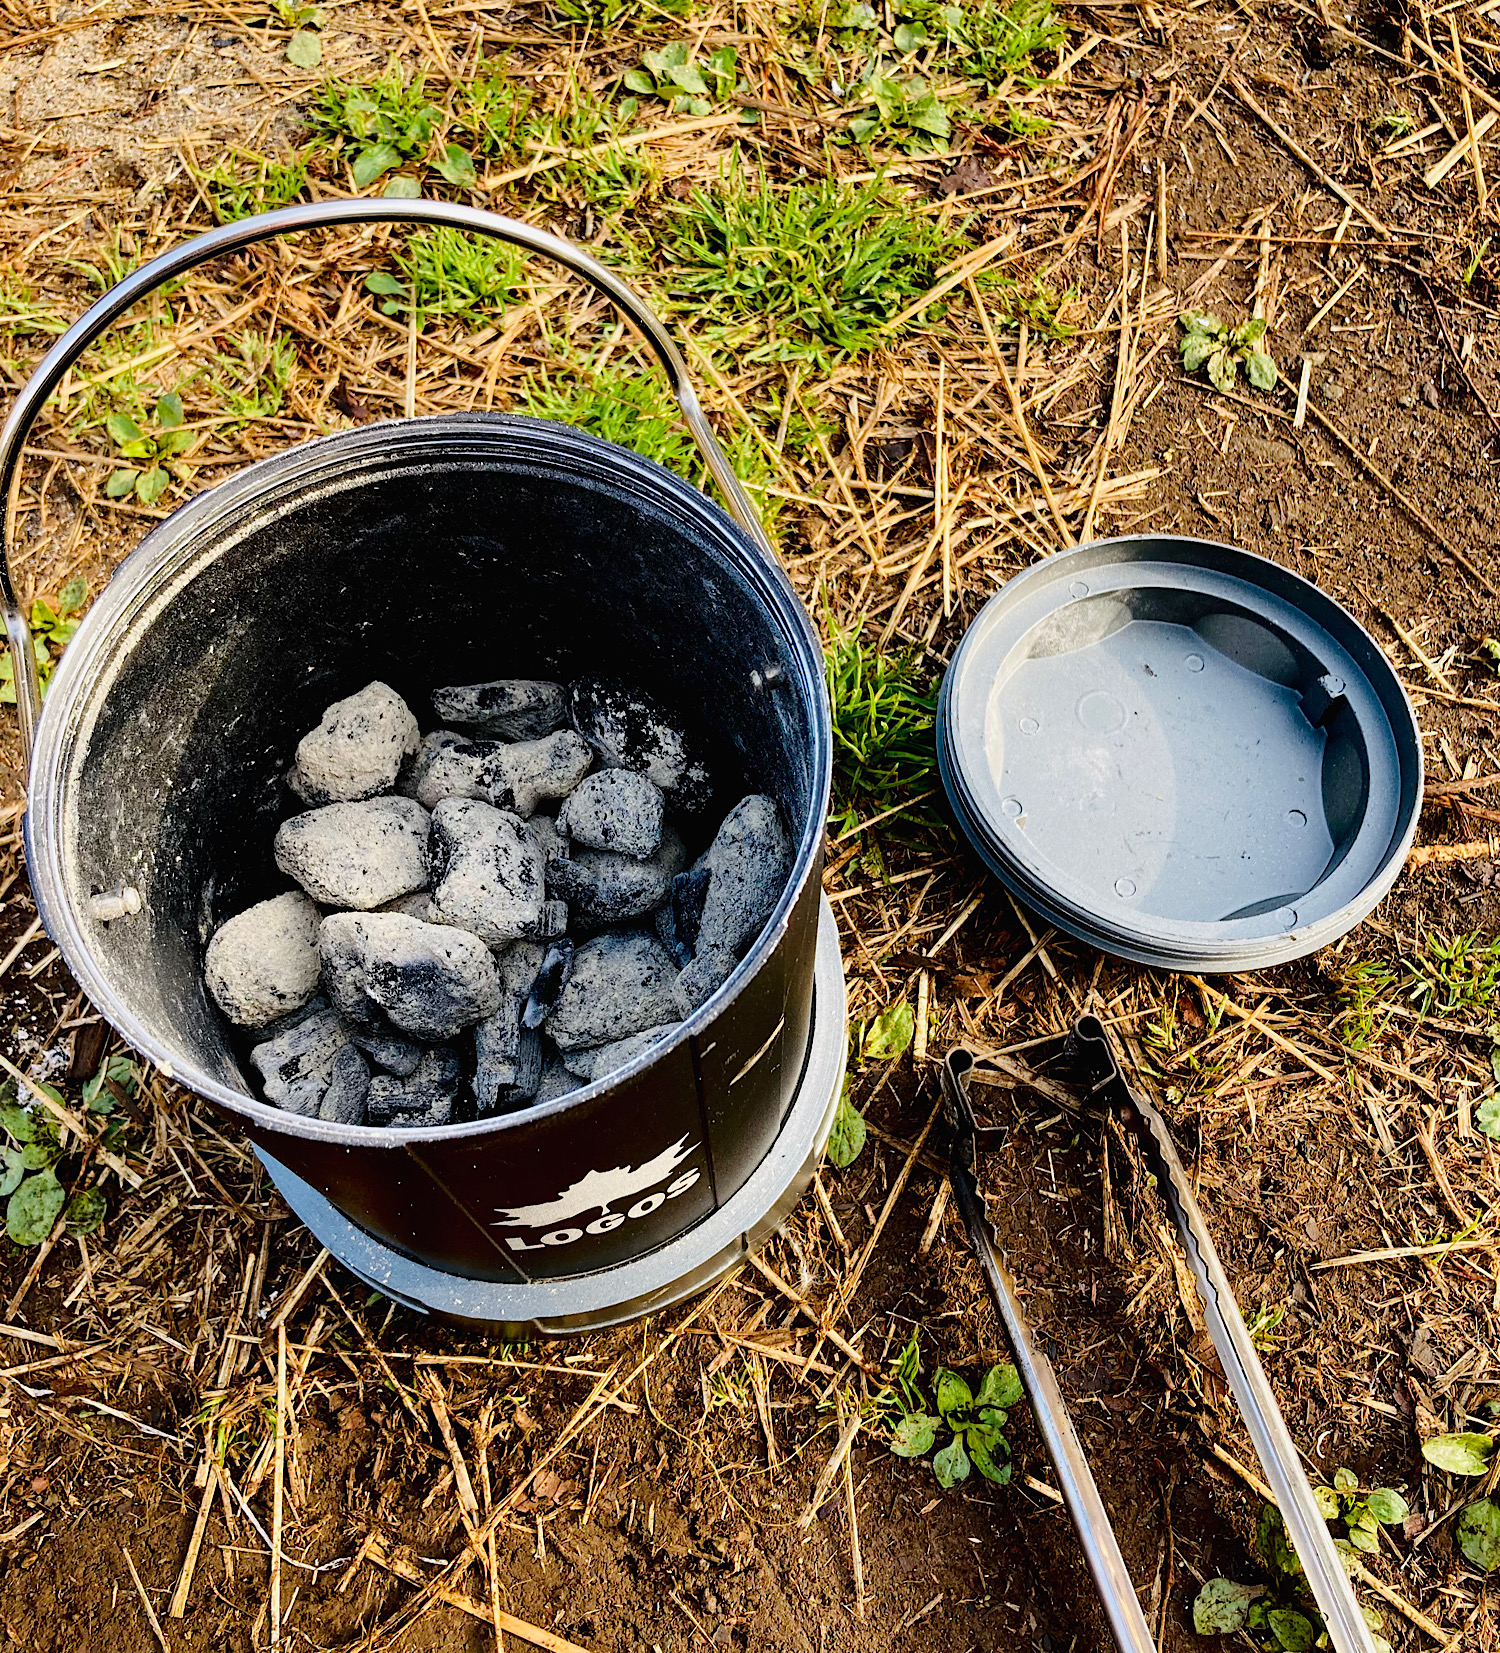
[388, 125]
[884, 718]
[463, 278]
[600, 15]
[491, 109]
[612, 179]
[1460, 977]
[819, 269]
[244, 183]
[251, 379]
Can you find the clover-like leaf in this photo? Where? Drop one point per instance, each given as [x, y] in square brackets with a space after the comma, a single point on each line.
[86, 1211]
[33, 1208]
[891, 1032]
[640, 82]
[1387, 1506]
[456, 166]
[1201, 321]
[1459, 1454]
[1000, 1386]
[1479, 1534]
[1222, 1607]
[1196, 349]
[374, 162]
[403, 187]
[121, 483]
[953, 1394]
[1328, 1503]
[151, 485]
[304, 50]
[1260, 370]
[951, 1465]
[73, 595]
[990, 1453]
[1223, 369]
[169, 413]
[1292, 1630]
[1345, 1480]
[1363, 1539]
[914, 1435]
[1487, 1116]
[848, 1134]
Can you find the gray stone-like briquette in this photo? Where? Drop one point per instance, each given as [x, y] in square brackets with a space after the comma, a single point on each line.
[263, 962]
[622, 983]
[616, 810]
[357, 855]
[357, 749]
[629, 729]
[514, 708]
[429, 980]
[486, 872]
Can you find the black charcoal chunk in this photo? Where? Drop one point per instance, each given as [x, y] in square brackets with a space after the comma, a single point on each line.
[629, 729]
[263, 962]
[679, 919]
[551, 978]
[357, 855]
[516, 708]
[389, 1050]
[555, 1080]
[589, 1065]
[603, 888]
[622, 983]
[509, 1055]
[344, 1101]
[615, 810]
[486, 872]
[748, 864]
[296, 1066]
[425, 1099]
[430, 980]
[358, 748]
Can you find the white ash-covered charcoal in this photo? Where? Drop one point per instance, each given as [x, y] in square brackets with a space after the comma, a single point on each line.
[461, 768]
[391, 1051]
[357, 749]
[514, 708]
[263, 963]
[589, 1065]
[622, 983]
[417, 768]
[487, 875]
[509, 1054]
[424, 1099]
[344, 1101]
[542, 771]
[616, 810]
[747, 865]
[548, 981]
[357, 855]
[630, 730]
[428, 980]
[296, 1064]
[603, 888]
[518, 777]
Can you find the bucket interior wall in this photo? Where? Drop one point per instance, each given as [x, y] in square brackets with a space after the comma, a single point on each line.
[440, 551]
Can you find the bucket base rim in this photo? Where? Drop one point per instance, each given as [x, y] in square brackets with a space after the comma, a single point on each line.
[662, 1278]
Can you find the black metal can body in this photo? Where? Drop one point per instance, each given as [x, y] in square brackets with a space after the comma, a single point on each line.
[443, 550]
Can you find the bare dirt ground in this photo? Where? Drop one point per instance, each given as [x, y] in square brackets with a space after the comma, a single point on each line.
[643, 1489]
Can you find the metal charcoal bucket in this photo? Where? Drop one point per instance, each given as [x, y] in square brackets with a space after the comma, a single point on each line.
[427, 551]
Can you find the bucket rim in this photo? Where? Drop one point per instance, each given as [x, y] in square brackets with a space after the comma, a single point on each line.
[173, 553]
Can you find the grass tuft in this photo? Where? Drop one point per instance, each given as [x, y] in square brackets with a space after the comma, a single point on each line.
[820, 268]
[884, 722]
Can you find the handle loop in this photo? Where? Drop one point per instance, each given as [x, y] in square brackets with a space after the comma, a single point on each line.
[316, 215]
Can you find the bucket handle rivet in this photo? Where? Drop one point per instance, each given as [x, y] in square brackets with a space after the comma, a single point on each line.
[113, 904]
[246, 232]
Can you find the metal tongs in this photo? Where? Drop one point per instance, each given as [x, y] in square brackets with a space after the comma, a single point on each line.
[1097, 1066]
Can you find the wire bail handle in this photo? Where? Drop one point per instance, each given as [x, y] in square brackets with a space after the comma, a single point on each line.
[264, 227]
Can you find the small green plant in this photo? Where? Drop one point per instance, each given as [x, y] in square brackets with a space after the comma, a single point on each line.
[1262, 1326]
[31, 1152]
[386, 124]
[22, 312]
[1365, 1010]
[586, 127]
[243, 183]
[884, 716]
[848, 1134]
[826, 264]
[1277, 1615]
[987, 42]
[901, 113]
[450, 273]
[304, 49]
[691, 88]
[1455, 977]
[1396, 123]
[51, 631]
[1363, 1512]
[155, 448]
[1471, 269]
[976, 1421]
[885, 1037]
[252, 380]
[490, 108]
[1206, 339]
[600, 16]
[1479, 1534]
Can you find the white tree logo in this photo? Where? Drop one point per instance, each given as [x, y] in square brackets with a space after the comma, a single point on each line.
[598, 1190]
